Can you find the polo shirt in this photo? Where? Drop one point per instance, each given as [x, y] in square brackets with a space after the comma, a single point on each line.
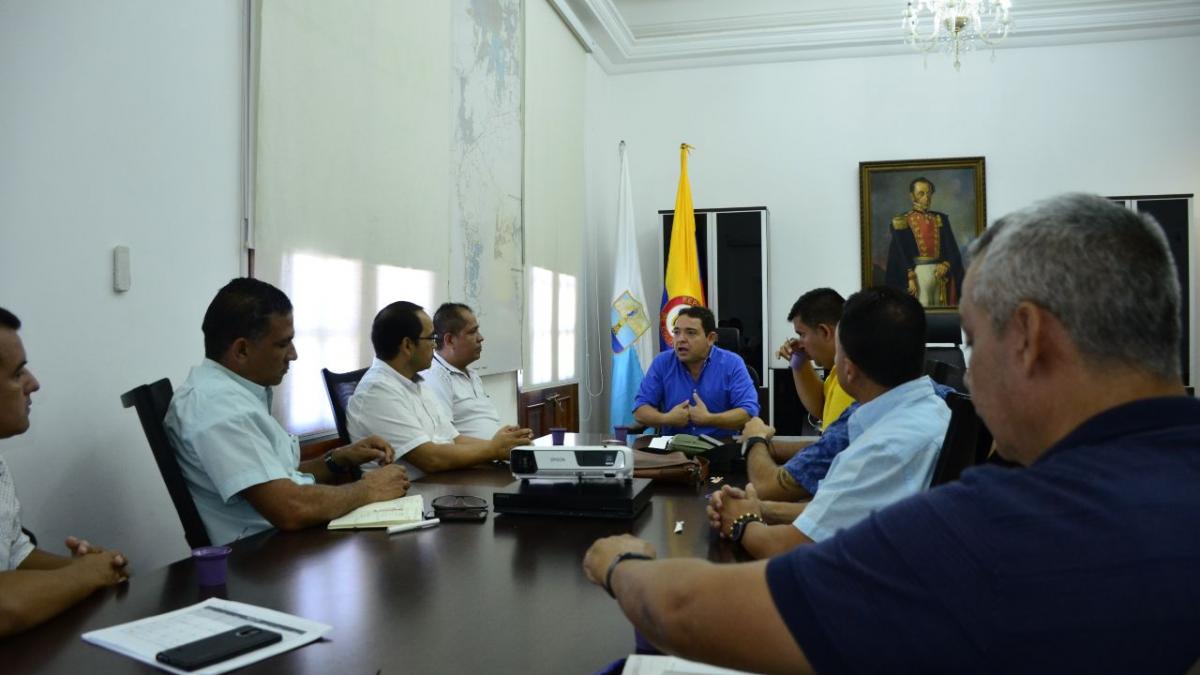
[404, 412]
[15, 545]
[895, 440]
[461, 391]
[1084, 562]
[836, 399]
[724, 384]
[226, 440]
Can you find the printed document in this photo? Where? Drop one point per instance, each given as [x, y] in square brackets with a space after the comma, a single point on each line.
[145, 638]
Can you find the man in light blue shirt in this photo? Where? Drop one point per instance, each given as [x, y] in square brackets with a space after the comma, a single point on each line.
[895, 434]
[242, 467]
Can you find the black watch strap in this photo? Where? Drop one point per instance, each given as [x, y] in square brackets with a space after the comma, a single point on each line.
[628, 555]
[333, 466]
[755, 440]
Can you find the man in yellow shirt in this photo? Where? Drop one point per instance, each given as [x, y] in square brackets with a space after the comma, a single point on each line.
[815, 317]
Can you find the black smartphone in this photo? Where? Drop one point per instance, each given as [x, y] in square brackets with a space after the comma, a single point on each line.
[217, 648]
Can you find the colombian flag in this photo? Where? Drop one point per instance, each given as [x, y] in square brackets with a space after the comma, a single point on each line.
[681, 283]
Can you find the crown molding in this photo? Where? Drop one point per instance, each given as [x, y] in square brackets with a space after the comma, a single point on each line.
[845, 33]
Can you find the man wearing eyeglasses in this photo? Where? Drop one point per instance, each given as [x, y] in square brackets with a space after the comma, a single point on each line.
[393, 401]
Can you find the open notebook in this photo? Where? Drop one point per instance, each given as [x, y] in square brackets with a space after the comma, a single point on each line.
[382, 514]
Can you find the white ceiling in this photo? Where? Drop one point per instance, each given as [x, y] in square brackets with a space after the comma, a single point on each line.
[635, 35]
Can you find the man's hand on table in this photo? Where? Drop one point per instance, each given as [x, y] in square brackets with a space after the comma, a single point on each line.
[82, 547]
[604, 551]
[387, 482]
[728, 503]
[369, 449]
[757, 427]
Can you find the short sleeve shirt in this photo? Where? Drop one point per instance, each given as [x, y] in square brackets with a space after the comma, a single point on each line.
[15, 545]
[836, 399]
[221, 427]
[461, 391]
[724, 384]
[894, 444]
[1084, 562]
[404, 412]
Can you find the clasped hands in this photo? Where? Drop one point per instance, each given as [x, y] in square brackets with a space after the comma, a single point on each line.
[689, 412]
[110, 567]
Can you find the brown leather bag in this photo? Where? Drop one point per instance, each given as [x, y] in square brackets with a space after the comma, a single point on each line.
[672, 467]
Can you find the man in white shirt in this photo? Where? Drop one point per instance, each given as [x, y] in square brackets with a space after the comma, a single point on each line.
[450, 376]
[392, 401]
[35, 584]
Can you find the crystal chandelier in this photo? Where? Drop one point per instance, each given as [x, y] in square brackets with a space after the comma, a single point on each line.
[955, 25]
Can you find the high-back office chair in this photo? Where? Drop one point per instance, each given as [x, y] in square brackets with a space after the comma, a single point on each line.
[966, 443]
[945, 331]
[151, 401]
[729, 338]
[340, 387]
[944, 373]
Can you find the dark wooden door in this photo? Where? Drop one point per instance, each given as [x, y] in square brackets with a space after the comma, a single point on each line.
[542, 409]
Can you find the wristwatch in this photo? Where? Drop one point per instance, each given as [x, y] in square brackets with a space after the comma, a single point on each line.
[754, 440]
[332, 465]
[738, 529]
[628, 555]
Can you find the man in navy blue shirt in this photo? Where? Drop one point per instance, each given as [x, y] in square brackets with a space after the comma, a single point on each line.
[697, 387]
[1084, 561]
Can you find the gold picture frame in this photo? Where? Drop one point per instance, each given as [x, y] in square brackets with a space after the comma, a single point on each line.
[918, 217]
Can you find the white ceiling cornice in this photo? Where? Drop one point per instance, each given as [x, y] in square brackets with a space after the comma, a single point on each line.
[872, 30]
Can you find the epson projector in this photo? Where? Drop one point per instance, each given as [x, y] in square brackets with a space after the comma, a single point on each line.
[571, 462]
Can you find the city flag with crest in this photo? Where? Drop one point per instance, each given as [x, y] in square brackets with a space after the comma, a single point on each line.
[630, 323]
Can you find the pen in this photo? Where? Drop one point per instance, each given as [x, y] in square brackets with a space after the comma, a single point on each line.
[414, 526]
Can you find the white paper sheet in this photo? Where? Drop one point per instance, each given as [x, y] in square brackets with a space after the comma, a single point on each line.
[643, 664]
[660, 442]
[144, 638]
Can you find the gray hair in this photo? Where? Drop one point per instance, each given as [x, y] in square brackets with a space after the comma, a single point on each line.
[1104, 271]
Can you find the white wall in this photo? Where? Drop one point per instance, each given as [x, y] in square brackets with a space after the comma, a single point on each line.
[119, 124]
[1114, 118]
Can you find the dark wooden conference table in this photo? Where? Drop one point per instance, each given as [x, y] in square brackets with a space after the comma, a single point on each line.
[504, 596]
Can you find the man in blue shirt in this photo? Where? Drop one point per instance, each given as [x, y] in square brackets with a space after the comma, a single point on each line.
[1083, 561]
[697, 388]
[895, 433]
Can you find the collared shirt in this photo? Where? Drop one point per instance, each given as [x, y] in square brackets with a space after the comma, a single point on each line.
[226, 440]
[461, 391]
[405, 413]
[894, 444]
[724, 384]
[810, 466]
[14, 543]
[1083, 562]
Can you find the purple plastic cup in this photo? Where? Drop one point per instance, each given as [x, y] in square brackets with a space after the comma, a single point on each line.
[621, 433]
[210, 564]
[558, 434]
[642, 645]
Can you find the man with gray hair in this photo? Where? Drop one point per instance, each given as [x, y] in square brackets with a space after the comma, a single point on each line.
[1083, 561]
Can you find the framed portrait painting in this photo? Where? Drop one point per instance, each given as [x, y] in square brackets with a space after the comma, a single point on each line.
[918, 217]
